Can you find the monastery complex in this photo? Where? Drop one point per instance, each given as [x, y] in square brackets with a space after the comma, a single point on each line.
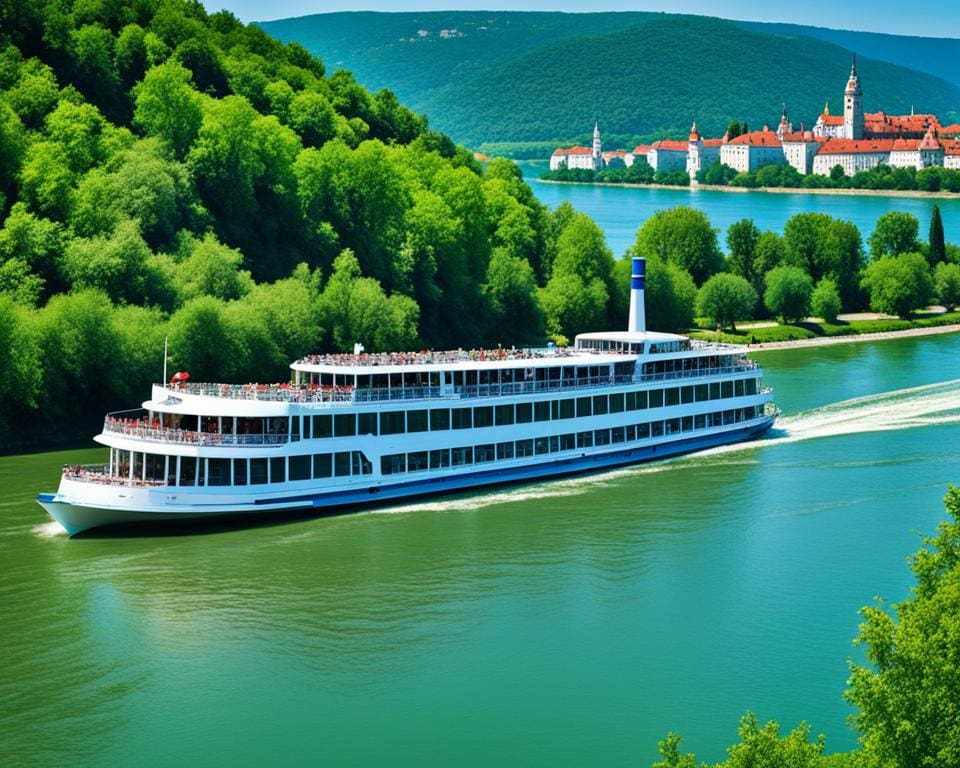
[856, 141]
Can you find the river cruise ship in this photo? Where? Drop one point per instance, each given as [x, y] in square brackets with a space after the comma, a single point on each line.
[355, 429]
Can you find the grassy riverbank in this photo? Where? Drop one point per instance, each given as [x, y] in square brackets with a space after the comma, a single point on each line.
[812, 332]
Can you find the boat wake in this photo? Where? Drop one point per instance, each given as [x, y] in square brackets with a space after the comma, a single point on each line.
[49, 530]
[928, 405]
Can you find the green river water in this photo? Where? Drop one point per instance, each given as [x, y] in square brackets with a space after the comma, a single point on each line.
[572, 622]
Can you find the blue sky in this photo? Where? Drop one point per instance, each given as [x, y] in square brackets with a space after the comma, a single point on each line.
[935, 18]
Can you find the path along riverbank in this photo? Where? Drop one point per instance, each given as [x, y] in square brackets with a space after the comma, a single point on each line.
[823, 341]
[908, 193]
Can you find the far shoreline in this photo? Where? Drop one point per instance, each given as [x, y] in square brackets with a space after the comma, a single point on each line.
[903, 193]
[823, 341]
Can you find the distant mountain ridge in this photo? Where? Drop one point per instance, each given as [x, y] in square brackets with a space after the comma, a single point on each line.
[544, 77]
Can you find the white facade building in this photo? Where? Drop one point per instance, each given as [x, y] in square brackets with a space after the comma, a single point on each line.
[750, 151]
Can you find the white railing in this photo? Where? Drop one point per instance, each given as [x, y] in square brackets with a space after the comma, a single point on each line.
[100, 474]
[283, 393]
[143, 431]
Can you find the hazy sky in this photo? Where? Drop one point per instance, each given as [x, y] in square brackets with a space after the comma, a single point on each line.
[940, 18]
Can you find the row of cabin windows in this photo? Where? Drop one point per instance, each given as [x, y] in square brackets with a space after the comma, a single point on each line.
[191, 471]
[441, 419]
[480, 454]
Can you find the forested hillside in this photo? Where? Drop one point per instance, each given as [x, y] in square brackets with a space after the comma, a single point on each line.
[482, 79]
[168, 172]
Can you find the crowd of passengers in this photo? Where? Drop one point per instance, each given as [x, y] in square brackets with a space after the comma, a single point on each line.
[98, 475]
[427, 356]
[294, 393]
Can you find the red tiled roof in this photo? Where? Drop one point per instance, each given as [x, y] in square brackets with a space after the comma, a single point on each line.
[713, 142]
[614, 153]
[806, 136]
[671, 144]
[951, 130]
[826, 119]
[757, 139]
[906, 145]
[878, 122]
[951, 147]
[929, 141]
[855, 146]
[641, 149]
[573, 151]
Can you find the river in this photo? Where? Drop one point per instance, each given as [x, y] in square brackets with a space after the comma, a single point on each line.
[565, 623]
[621, 210]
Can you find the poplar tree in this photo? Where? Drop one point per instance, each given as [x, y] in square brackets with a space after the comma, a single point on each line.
[938, 248]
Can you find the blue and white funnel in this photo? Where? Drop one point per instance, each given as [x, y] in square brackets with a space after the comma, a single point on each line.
[638, 313]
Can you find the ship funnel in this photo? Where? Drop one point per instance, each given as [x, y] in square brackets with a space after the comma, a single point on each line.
[638, 313]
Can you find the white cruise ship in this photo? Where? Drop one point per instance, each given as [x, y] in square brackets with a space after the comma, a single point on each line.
[355, 429]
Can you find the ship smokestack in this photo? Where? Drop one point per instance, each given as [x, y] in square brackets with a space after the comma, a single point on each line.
[638, 314]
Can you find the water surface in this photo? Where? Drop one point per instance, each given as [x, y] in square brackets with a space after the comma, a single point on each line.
[565, 623]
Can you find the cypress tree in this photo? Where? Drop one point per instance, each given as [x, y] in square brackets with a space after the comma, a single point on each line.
[938, 248]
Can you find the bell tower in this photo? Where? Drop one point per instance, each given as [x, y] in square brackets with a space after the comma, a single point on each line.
[853, 105]
[597, 147]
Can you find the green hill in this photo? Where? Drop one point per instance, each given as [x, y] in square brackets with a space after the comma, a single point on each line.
[531, 77]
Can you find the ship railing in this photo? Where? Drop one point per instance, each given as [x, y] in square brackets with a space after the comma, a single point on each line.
[281, 393]
[100, 474]
[749, 365]
[141, 430]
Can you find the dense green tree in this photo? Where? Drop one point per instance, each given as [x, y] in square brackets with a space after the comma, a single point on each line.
[742, 237]
[826, 247]
[683, 236]
[34, 241]
[788, 293]
[92, 49]
[130, 55]
[288, 309]
[12, 149]
[312, 116]
[670, 296]
[203, 342]
[894, 233]
[946, 284]
[769, 252]
[825, 300]
[725, 298]
[899, 285]
[209, 268]
[907, 693]
[35, 95]
[938, 248]
[21, 372]
[168, 107]
[516, 316]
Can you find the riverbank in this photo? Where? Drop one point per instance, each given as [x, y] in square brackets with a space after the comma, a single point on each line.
[901, 193]
[822, 341]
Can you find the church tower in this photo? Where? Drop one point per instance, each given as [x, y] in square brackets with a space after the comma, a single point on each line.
[597, 147]
[853, 105]
[694, 152]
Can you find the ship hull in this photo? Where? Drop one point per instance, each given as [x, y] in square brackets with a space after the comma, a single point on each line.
[76, 517]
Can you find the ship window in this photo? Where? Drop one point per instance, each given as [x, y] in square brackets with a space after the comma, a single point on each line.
[524, 448]
[484, 453]
[461, 418]
[599, 404]
[751, 386]
[541, 445]
[726, 389]
[567, 409]
[554, 409]
[345, 424]
[393, 464]
[643, 431]
[322, 426]
[541, 411]
[738, 388]
[137, 465]
[462, 456]
[656, 398]
[366, 423]
[300, 467]
[416, 421]
[322, 465]
[618, 434]
[699, 421]
[601, 437]
[258, 471]
[715, 390]
[656, 429]
[417, 462]
[568, 442]
[584, 439]
[524, 413]
[641, 401]
[504, 450]
[616, 403]
[504, 415]
[702, 392]
[631, 432]
[672, 396]
[294, 428]
[188, 470]
[278, 467]
[440, 459]
[218, 472]
[392, 423]
[341, 464]
[239, 471]
[554, 443]
[154, 466]
[201, 469]
[483, 417]
[584, 407]
[361, 464]
[686, 423]
[306, 427]
[439, 419]
[686, 395]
